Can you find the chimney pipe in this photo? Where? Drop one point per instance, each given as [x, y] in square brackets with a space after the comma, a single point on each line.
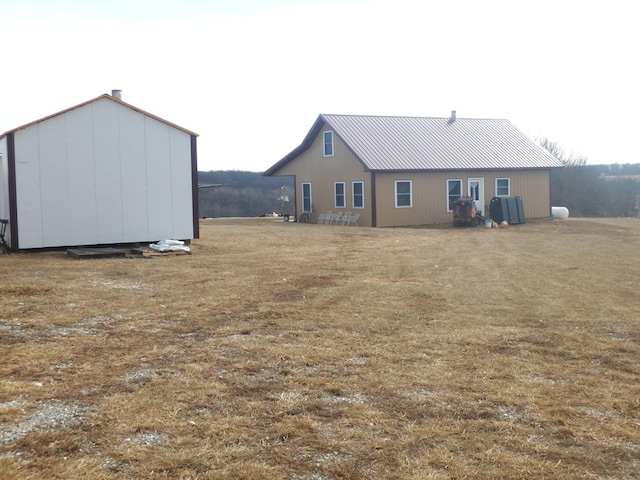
[453, 116]
[116, 94]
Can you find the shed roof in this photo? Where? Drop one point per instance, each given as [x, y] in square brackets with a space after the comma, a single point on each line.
[385, 144]
[107, 96]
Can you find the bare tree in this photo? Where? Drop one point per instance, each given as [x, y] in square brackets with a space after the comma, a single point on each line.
[585, 191]
[554, 149]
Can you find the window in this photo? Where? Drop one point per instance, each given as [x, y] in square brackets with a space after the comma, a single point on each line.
[328, 143]
[338, 188]
[454, 192]
[306, 198]
[358, 194]
[503, 187]
[403, 193]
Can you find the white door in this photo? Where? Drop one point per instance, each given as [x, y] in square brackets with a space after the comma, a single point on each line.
[476, 192]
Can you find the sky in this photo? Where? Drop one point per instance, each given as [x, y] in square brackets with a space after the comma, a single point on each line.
[251, 77]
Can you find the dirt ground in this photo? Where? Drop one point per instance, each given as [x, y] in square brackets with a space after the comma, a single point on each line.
[278, 350]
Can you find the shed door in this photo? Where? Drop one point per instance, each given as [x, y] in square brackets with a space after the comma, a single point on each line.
[476, 192]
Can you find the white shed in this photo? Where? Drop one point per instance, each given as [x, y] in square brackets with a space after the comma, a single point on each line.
[100, 173]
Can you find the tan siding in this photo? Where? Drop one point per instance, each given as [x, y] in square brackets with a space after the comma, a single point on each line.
[533, 187]
[313, 167]
[430, 194]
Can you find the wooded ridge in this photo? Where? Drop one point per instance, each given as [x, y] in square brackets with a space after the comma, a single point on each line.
[243, 194]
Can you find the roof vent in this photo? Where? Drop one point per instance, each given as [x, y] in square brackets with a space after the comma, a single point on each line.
[116, 94]
[452, 118]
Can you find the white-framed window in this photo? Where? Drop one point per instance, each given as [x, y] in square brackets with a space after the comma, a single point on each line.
[327, 143]
[357, 189]
[454, 192]
[403, 194]
[306, 198]
[503, 187]
[339, 194]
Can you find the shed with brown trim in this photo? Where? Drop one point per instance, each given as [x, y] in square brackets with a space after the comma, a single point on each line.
[99, 173]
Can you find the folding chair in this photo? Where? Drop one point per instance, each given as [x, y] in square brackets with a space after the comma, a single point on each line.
[345, 218]
[3, 235]
[324, 218]
[336, 218]
[353, 220]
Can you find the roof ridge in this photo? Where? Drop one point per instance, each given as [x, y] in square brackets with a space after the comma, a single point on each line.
[95, 99]
[408, 116]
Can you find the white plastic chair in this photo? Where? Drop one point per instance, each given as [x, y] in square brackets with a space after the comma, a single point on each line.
[346, 218]
[353, 220]
[336, 218]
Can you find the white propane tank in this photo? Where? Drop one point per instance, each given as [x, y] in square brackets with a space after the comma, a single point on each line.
[560, 212]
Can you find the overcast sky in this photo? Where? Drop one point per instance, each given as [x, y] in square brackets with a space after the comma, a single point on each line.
[252, 76]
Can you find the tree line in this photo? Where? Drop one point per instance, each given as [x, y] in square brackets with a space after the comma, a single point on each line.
[243, 194]
[593, 190]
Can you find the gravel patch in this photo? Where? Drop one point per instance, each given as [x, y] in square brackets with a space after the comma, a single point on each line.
[357, 399]
[146, 439]
[49, 415]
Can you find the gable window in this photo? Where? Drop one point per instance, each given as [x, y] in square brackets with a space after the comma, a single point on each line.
[328, 143]
[503, 187]
[338, 188]
[403, 193]
[454, 192]
[358, 194]
[306, 198]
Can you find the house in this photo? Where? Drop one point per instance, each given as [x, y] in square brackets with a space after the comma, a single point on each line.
[100, 173]
[403, 171]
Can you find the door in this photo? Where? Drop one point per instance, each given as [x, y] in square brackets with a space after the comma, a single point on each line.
[476, 192]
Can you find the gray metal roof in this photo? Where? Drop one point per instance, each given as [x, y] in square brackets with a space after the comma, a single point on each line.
[430, 143]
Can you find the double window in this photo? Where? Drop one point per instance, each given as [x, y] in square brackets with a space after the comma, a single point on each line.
[328, 143]
[503, 187]
[340, 194]
[403, 194]
[454, 192]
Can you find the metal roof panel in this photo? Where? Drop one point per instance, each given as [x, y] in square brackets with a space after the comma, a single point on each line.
[434, 143]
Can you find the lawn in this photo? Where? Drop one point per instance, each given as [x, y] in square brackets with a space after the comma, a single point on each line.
[279, 350]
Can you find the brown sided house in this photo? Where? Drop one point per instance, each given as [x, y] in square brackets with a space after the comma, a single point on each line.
[403, 171]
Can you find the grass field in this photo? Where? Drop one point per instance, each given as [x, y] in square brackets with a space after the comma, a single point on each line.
[309, 352]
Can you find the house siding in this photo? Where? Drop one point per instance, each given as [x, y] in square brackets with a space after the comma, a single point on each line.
[322, 172]
[429, 194]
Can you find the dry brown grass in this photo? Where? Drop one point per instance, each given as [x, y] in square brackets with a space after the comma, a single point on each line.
[308, 352]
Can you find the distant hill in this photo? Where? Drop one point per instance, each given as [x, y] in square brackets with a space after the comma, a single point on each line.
[243, 194]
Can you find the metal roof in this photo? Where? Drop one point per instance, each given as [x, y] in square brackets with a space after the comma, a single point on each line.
[384, 144]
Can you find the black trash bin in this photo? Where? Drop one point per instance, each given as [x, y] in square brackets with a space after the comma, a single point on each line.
[498, 209]
[507, 209]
